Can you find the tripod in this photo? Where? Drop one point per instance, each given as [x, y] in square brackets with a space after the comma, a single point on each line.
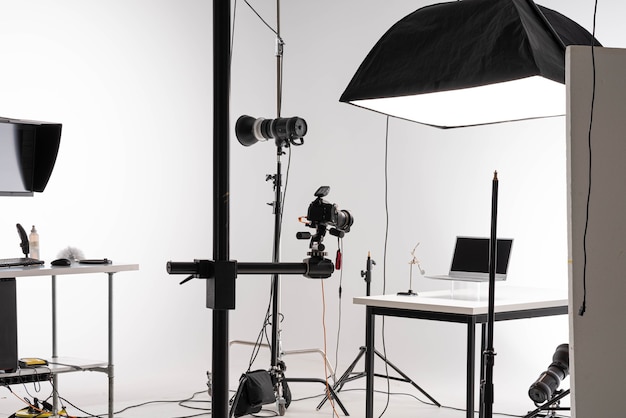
[349, 375]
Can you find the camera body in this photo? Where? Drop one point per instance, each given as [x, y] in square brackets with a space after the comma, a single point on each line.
[327, 214]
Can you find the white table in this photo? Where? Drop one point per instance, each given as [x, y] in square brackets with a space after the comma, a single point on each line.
[59, 364]
[511, 303]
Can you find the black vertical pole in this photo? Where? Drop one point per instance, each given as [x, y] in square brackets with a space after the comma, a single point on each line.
[278, 210]
[489, 352]
[221, 171]
[370, 324]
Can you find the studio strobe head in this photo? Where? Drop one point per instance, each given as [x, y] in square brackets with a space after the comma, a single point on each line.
[249, 130]
[546, 385]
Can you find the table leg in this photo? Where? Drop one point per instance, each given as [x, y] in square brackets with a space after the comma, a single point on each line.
[55, 380]
[110, 373]
[483, 345]
[471, 367]
[369, 362]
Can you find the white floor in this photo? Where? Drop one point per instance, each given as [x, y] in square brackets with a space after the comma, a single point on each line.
[405, 402]
[160, 395]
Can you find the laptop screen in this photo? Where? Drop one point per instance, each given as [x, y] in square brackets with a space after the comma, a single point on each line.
[472, 255]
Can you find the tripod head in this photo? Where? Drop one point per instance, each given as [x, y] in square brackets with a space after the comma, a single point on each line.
[324, 217]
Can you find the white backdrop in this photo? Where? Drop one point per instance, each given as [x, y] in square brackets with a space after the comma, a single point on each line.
[131, 81]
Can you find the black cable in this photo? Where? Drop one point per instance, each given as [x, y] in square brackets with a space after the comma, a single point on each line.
[262, 332]
[271, 413]
[262, 20]
[385, 260]
[410, 395]
[583, 306]
[159, 401]
[232, 42]
[282, 208]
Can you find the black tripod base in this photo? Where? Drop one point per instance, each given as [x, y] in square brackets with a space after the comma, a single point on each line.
[331, 391]
[349, 376]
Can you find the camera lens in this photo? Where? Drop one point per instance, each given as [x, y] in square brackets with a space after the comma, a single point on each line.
[344, 220]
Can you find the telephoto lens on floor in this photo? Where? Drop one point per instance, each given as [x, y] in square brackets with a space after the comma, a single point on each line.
[545, 387]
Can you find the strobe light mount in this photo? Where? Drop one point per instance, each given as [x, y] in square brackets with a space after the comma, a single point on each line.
[284, 131]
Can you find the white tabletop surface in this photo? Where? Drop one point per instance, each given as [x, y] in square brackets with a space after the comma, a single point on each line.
[75, 268]
[507, 298]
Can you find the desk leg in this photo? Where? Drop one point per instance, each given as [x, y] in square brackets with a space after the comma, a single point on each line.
[483, 346]
[471, 367]
[369, 362]
[110, 373]
[55, 379]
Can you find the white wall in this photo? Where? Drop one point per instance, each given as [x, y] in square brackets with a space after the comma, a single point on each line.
[131, 81]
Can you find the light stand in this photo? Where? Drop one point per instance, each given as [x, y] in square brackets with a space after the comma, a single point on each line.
[349, 376]
[285, 132]
[283, 396]
[486, 387]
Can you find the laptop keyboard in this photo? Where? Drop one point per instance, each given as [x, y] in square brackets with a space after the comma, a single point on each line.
[19, 262]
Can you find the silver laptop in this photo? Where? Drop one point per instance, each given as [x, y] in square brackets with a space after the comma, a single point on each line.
[470, 261]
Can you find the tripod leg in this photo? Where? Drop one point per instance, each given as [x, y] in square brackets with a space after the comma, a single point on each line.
[344, 377]
[406, 378]
[333, 394]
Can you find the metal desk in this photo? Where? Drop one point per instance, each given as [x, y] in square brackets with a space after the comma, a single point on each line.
[511, 303]
[58, 364]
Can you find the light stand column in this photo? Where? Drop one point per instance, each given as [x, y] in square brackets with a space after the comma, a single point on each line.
[486, 407]
[220, 295]
[278, 209]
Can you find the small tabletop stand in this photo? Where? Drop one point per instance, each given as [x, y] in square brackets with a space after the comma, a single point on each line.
[349, 376]
[413, 261]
